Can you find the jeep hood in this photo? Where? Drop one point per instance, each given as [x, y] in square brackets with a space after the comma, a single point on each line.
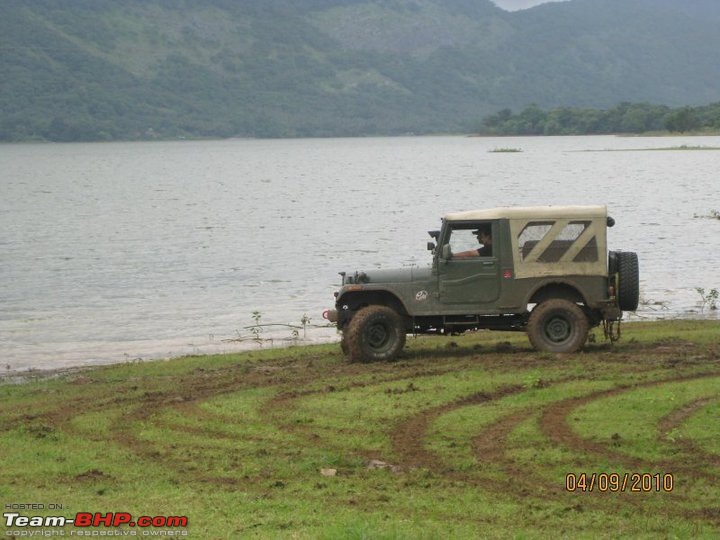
[395, 275]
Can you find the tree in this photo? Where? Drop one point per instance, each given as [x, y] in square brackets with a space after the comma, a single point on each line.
[532, 120]
[497, 119]
[682, 120]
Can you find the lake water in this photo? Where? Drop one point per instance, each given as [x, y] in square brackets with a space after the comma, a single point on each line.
[118, 251]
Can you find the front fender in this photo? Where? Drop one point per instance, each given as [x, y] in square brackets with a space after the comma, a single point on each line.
[350, 301]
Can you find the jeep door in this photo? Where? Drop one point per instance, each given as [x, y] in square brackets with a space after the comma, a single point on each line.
[468, 270]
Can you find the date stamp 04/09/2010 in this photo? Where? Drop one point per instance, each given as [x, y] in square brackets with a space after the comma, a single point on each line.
[630, 482]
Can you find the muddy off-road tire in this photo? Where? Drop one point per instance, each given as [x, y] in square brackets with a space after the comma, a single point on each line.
[558, 326]
[375, 333]
[628, 280]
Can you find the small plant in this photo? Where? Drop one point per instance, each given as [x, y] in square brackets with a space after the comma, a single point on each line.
[256, 330]
[533, 380]
[709, 299]
[305, 320]
[258, 327]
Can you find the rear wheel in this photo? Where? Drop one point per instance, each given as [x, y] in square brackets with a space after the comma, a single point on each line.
[557, 326]
[375, 333]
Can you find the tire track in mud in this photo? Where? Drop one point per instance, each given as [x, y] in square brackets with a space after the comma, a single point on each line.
[298, 379]
[523, 481]
[554, 425]
[186, 400]
[145, 398]
[408, 436]
[291, 385]
[676, 418]
[191, 386]
[408, 439]
[275, 409]
[490, 447]
[452, 361]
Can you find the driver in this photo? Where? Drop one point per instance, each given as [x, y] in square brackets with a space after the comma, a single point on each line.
[484, 237]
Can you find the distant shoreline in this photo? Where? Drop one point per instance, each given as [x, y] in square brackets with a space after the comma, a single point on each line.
[667, 134]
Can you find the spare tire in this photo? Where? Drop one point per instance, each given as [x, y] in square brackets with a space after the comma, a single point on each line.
[628, 280]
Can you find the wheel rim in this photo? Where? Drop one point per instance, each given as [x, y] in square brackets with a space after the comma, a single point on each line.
[558, 329]
[378, 337]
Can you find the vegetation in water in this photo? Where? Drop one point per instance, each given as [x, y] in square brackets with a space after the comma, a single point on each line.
[505, 150]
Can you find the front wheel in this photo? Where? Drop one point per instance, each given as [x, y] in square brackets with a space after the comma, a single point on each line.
[558, 326]
[375, 333]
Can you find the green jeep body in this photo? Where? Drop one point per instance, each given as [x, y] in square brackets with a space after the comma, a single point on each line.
[548, 272]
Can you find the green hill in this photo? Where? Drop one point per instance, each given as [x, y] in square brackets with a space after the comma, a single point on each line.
[135, 69]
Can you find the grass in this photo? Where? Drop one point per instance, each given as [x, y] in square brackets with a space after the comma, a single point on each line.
[463, 437]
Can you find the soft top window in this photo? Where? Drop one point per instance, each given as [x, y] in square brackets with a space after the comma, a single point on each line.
[555, 241]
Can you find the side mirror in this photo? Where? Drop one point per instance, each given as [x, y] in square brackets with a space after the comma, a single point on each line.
[431, 246]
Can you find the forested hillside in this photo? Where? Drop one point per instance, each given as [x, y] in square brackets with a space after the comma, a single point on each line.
[142, 69]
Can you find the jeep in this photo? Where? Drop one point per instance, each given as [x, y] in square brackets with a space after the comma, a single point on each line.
[543, 270]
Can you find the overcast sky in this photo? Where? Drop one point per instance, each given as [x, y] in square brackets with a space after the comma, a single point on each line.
[514, 5]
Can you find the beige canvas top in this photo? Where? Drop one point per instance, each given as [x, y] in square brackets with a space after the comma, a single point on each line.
[530, 264]
[530, 212]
